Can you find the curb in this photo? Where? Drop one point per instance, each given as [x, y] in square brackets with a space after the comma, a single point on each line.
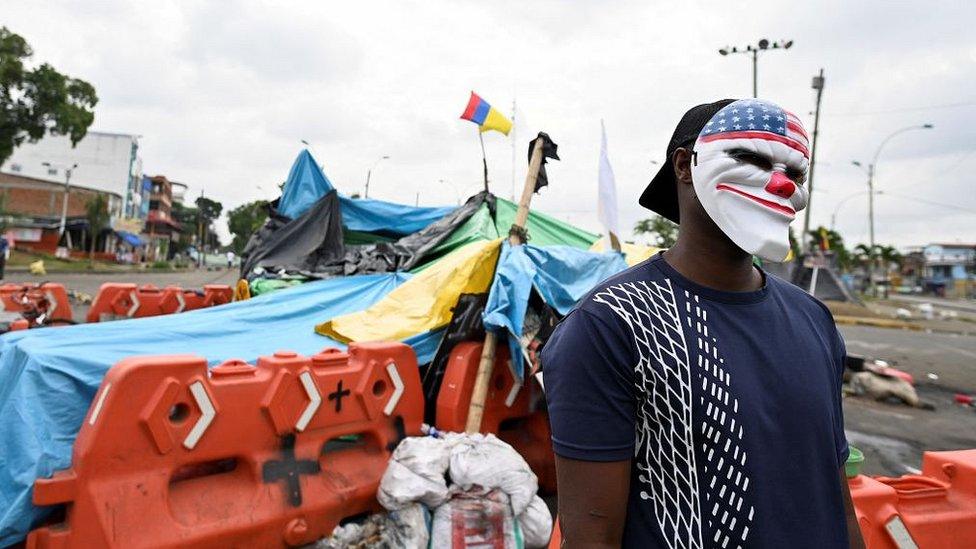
[876, 322]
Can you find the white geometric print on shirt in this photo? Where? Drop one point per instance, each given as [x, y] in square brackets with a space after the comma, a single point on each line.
[665, 444]
[725, 478]
[665, 449]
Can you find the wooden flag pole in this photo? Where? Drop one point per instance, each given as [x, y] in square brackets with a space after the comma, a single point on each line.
[487, 364]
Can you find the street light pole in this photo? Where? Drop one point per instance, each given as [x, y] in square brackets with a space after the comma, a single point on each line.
[67, 188]
[753, 50]
[871, 169]
[369, 172]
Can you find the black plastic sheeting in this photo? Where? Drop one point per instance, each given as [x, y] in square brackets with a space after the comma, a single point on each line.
[312, 245]
[465, 325]
[549, 148]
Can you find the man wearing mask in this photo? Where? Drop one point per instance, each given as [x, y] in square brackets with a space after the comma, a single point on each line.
[695, 400]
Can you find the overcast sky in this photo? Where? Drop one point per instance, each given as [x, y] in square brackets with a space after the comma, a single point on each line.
[223, 92]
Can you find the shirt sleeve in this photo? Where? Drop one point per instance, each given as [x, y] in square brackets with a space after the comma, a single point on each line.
[840, 438]
[588, 372]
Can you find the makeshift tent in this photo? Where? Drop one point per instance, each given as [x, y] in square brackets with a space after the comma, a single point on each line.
[48, 377]
[307, 184]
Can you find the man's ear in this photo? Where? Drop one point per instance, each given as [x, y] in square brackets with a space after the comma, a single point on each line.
[682, 159]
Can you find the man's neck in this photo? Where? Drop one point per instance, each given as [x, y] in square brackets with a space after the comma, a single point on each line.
[713, 261]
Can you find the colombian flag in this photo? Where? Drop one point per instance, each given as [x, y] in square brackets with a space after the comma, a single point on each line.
[485, 116]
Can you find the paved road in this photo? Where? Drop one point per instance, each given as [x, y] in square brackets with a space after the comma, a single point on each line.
[894, 436]
[949, 356]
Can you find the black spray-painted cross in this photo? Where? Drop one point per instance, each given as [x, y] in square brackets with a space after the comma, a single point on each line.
[338, 395]
[289, 470]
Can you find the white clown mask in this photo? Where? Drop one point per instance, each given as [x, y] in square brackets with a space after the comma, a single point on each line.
[750, 165]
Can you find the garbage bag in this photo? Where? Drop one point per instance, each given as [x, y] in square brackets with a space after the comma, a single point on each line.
[487, 461]
[536, 524]
[415, 473]
[475, 518]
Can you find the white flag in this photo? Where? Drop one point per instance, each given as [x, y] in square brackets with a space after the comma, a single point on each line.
[607, 195]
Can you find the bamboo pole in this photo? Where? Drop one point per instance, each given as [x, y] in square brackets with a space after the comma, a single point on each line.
[487, 363]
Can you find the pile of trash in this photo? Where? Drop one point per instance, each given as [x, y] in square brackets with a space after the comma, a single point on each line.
[453, 490]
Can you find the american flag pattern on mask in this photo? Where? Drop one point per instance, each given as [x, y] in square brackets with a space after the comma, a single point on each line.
[757, 119]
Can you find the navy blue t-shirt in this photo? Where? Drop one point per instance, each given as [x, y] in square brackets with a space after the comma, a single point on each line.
[729, 404]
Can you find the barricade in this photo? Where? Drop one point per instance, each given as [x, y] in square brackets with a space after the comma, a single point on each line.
[509, 408]
[40, 304]
[934, 509]
[269, 456]
[118, 301]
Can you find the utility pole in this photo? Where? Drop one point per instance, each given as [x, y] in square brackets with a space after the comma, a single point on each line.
[67, 187]
[755, 71]
[818, 84]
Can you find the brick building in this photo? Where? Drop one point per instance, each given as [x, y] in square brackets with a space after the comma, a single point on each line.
[34, 207]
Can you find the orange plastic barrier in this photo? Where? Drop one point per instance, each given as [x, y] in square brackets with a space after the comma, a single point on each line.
[115, 301]
[934, 509]
[269, 456]
[509, 408]
[43, 303]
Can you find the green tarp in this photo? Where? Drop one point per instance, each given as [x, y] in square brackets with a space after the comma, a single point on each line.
[543, 231]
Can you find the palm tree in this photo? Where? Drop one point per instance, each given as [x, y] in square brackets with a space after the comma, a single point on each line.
[96, 212]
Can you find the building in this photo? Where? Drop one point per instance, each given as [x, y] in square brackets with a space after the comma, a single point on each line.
[101, 163]
[161, 229]
[34, 207]
[950, 268]
[105, 161]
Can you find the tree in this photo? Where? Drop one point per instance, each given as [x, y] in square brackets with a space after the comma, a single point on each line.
[39, 101]
[890, 256]
[207, 211]
[96, 212]
[244, 220]
[664, 231]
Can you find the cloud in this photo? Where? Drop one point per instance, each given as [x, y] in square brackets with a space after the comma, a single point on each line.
[223, 92]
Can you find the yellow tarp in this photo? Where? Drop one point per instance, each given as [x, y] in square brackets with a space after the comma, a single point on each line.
[633, 253]
[424, 302]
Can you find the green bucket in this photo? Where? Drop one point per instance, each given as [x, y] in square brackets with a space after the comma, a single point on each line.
[854, 461]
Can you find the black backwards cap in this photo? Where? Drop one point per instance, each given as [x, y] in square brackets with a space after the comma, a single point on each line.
[661, 194]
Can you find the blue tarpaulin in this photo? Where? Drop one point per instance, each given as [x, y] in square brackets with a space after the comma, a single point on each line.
[561, 274]
[378, 216]
[306, 184]
[48, 377]
[131, 239]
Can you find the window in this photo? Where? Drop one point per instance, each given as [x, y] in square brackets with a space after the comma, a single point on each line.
[15, 167]
[52, 171]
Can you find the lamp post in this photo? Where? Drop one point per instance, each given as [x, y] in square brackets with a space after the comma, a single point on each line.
[67, 187]
[369, 172]
[753, 50]
[833, 216]
[870, 171]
